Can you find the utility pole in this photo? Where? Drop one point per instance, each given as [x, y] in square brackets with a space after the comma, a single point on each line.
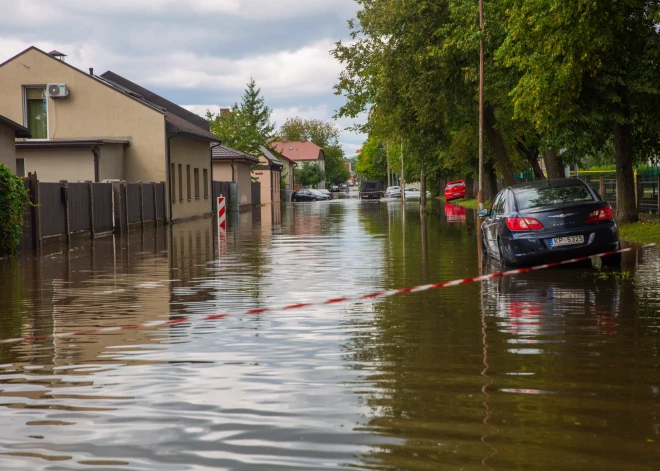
[480, 194]
[403, 179]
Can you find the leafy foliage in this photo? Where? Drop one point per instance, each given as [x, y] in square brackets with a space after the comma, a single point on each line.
[309, 174]
[246, 126]
[13, 197]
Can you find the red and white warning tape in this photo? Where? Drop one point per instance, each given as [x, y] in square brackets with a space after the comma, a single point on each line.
[289, 307]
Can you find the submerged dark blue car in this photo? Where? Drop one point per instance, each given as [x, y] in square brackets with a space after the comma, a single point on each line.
[549, 221]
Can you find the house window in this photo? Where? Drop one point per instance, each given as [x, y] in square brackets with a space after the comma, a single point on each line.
[196, 176]
[172, 179]
[36, 112]
[206, 183]
[180, 182]
[188, 188]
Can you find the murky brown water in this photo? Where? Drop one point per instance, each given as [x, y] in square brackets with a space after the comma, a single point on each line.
[552, 370]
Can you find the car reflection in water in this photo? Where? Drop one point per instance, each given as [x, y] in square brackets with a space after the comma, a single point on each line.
[454, 213]
[552, 306]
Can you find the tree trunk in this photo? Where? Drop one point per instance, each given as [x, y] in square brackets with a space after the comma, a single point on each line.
[626, 208]
[422, 190]
[490, 181]
[497, 144]
[553, 164]
[532, 156]
[469, 187]
[403, 178]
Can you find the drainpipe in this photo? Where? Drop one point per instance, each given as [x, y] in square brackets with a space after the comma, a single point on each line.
[169, 173]
[95, 151]
[233, 179]
[212, 198]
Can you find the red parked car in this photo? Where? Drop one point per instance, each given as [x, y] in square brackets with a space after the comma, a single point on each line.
[455, 189]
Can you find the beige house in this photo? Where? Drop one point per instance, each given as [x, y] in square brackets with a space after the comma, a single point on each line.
[230, 165]
[269, 173]
[301, 152]
[9, 132]
[89, 127]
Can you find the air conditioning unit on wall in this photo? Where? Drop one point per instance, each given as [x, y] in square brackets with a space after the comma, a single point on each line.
[57, 90]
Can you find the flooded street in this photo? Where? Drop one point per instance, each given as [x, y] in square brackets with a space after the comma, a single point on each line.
[558, 369]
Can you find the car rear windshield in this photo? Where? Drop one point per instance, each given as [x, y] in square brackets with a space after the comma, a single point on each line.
[537, 197]
[370, 186]
[452, 185]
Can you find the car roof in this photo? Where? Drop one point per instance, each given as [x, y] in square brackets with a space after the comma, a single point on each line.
[554, 183]
[455, 181]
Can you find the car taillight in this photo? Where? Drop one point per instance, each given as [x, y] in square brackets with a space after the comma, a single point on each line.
[602, 214]
[523, 224]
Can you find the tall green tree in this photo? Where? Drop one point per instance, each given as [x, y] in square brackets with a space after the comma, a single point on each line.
[247, 125]
[589, 75]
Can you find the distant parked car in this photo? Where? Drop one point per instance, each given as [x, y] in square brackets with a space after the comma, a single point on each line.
[334, 188]
[370, 190]
[549, 221]
[307, 195]
[455, 189]
[412, 193]
[393, 192]
[320, 195]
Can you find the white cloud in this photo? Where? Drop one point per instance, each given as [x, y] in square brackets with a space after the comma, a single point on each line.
[309, 70]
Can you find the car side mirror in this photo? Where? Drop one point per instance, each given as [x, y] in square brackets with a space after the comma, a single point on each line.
[482, 213]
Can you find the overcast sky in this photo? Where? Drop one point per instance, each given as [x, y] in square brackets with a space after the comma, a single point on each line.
[198, 53]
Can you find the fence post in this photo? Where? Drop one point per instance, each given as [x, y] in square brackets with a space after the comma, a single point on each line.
[658, 197]
[35, 210]
[602, 185]
[126, 205]
[142, 205]
[64, 189]
[155, 205]
[91, 209]
[165, 202]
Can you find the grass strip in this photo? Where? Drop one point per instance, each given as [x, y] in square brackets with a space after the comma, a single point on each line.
[642, 232]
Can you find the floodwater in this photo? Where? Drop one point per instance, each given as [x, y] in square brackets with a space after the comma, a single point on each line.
[558, 369]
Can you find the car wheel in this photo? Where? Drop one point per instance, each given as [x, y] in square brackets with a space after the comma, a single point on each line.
[504, 260]
[484, 246]
[314, 199]
[613, 260]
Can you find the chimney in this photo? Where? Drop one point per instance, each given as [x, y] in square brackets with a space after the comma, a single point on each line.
[224, 111]
[91, 71]
[57, 55]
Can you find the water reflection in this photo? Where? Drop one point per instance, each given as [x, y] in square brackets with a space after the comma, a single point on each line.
[552, 370]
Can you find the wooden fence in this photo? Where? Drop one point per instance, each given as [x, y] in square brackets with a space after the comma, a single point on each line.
[60, 212]
[256, 193]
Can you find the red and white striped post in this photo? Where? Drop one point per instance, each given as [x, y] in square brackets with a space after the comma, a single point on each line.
[222, 217]
[222, 225]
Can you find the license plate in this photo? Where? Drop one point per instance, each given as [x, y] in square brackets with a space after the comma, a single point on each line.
[568, 240]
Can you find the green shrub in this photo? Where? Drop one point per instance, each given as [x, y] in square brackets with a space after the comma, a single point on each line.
[13, 197]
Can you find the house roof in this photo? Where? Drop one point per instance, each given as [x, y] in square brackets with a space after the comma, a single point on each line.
[223, 153]
[19, 131]
[151, 97]
[179, 119]
[298, 150]
[68, 143]
[272, 160]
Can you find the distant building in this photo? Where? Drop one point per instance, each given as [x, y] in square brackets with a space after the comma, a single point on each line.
[301, 152]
